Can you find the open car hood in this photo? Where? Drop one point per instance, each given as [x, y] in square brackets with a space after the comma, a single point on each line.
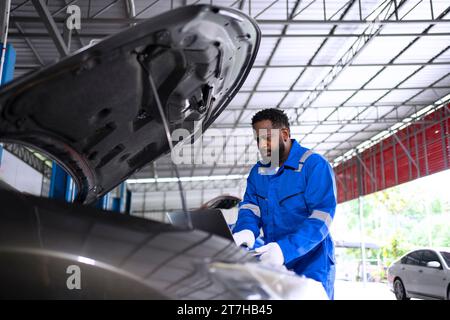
[94, 112]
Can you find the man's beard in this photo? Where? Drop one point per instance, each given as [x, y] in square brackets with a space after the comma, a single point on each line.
[274, 161]
[281, 149]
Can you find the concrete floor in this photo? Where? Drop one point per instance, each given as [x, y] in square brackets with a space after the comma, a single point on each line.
[349, 290]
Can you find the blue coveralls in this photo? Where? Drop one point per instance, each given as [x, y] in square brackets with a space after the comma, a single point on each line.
[295, 207]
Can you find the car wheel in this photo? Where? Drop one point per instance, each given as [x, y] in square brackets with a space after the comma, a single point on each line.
[399, 290]
[448, 293]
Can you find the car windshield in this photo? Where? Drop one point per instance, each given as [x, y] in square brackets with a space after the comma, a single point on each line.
[446, 256]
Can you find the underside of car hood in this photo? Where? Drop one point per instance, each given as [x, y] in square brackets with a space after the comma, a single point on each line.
[94, 112]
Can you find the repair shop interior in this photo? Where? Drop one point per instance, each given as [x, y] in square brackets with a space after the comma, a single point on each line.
[225, 149]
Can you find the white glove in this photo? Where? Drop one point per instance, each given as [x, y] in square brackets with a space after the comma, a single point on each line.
[244, 237]
[271, 254]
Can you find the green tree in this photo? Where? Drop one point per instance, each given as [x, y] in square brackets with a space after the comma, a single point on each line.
[394, 249]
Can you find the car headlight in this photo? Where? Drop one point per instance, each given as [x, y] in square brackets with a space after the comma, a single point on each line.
[256, 281]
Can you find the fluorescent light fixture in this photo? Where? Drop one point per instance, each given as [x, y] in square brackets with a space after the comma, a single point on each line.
[188, 179]
[86, 260]
[349, 152]
[337, 160]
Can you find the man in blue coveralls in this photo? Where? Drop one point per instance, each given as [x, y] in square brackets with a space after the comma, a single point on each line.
[293, 201]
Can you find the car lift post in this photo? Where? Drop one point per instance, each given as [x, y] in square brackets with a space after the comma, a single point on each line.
[103, 202]
[62, 187]
[118, 203]
[7, 53]
[61, 184]
[8, 64]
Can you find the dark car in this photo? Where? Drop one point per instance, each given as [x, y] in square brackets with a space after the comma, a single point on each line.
[102, 114]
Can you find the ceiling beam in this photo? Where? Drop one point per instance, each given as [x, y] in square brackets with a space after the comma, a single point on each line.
[44, 35]
[127, 21]
[289, 66]
[53, 32]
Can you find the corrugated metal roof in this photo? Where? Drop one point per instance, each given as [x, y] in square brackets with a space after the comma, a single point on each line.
[385, 81]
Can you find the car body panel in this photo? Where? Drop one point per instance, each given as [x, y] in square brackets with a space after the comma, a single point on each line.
[431, 281]
[419, 280]
[411, 273]
[123, 257]
[120, 256]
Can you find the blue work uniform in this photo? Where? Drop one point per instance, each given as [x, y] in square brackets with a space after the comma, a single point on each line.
[294, 205]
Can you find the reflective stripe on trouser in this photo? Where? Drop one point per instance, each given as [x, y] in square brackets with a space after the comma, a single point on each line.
[329, 284]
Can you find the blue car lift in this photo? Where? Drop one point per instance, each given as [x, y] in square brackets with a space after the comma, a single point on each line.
[8, 73]
[9, 64]
[62, 187]
[118, 203]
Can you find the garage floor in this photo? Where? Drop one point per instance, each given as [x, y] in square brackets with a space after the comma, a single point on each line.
[348, 290]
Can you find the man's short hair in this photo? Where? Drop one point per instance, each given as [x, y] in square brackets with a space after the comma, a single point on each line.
[278, 118]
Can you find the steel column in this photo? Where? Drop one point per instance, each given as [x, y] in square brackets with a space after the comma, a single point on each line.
[59, 183]
[5, 7]
[50, 24]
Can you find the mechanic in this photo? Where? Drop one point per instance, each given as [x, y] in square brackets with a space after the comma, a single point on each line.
[293, 202]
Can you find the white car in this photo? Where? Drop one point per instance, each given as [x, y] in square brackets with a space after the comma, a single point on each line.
[423, 273]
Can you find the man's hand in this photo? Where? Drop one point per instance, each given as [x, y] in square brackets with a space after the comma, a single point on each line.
[244, 237]
[271, 254]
